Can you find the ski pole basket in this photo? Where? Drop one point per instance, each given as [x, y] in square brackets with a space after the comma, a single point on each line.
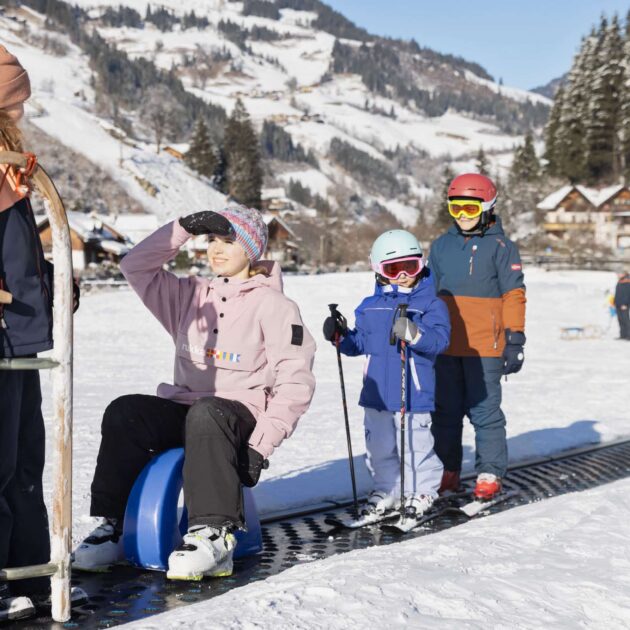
[61, 364]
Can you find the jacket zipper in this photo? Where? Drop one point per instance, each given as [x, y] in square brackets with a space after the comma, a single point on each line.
[472, 256]
[494, 331]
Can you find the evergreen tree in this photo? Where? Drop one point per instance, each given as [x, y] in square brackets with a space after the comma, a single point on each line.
[574, 112]
[482, 162]
[525, 166]
[624, 114]
[604, 104]
[242, 152]
[201, 156]
[442, 220]
[553, 150]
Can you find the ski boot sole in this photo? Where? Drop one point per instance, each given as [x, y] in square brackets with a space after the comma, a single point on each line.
[224, 569]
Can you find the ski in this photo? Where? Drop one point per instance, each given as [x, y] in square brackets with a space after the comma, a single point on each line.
[476, 506]
[350, 522]
[470, 510]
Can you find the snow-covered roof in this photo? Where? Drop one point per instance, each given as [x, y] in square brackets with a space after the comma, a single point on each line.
[550, 202]
[114, 247]
[596, 196]
[272, 193]
[89, 227]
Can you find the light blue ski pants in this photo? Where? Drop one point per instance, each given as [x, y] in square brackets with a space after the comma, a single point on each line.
[423, 468]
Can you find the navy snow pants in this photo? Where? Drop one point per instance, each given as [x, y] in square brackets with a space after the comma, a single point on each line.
[24, 537]
[470, 386]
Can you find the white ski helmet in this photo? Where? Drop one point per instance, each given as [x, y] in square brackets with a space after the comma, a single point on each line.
[393, 244]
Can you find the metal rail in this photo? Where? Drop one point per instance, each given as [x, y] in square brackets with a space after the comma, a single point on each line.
[61, 363]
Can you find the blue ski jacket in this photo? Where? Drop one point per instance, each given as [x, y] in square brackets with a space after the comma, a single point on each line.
[374, 319]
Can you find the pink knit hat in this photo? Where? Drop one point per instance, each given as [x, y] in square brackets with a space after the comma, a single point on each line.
[15, 87]
[250, 230]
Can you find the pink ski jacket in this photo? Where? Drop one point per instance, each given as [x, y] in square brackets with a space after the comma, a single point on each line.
[237, 339]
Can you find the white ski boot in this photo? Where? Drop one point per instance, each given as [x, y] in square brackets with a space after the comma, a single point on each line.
[417, 505]
[14, 608]
[378, 503]
[102, 548]
[205, 551]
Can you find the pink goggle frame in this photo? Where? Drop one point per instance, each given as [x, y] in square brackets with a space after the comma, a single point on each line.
[393, 269]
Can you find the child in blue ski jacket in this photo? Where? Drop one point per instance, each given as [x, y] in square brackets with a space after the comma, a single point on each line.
[401, 279]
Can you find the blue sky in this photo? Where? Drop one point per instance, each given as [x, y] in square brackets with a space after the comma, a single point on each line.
[525, 42]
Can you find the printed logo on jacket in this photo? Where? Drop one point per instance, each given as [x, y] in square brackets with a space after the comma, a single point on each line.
[212, 353]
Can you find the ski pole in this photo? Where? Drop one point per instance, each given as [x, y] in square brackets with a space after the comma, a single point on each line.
[333, 312]
[402, 309]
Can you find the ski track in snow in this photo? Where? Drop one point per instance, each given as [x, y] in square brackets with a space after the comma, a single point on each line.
[547, 559]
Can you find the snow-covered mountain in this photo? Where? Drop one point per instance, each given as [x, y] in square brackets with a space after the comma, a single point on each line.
[311, 72]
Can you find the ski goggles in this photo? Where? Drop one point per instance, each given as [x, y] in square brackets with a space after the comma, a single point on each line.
[411, 266]
[469, 208]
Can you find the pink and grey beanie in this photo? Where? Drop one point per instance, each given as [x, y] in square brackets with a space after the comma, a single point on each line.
[250, 229]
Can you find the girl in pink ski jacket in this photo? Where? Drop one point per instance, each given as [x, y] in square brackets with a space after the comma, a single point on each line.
[242, 379]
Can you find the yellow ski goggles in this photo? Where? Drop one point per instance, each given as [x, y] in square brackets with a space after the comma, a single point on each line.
[469, 208]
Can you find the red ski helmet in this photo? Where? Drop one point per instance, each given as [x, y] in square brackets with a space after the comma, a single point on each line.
[475, 186]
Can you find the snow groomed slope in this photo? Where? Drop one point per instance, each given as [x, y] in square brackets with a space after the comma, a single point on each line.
[127, 594]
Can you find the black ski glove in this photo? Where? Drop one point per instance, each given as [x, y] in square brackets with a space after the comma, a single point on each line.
[250, 465]
[207, 222]
[333, 324]
[513, 355]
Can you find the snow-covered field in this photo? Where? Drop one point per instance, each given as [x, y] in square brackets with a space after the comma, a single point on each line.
[569, 393]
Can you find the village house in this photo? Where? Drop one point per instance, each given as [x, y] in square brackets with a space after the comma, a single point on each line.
[605, 213]
[92, 239]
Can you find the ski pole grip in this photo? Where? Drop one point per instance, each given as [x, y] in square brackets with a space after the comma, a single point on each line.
[333, 308]
[5, 297]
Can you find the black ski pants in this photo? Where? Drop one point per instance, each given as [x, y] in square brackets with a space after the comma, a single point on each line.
[24, 537]
[623, 315]
[214, 433]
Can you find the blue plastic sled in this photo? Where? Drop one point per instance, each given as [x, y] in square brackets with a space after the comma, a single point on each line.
[154, 524]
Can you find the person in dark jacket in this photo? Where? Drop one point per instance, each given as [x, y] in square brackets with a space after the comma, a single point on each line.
[25, 330]
[622, 304]
[396, 258]
[479, 276]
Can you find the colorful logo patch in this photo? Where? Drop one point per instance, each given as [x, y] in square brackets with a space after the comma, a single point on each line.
[211, 353]
[517, 267]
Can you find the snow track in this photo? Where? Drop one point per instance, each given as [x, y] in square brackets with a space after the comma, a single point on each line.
[127, 595]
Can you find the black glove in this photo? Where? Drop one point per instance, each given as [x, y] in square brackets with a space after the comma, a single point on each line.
[335, 324]
[76, 295]
[250, 465]
[207, 222]
[513, 355]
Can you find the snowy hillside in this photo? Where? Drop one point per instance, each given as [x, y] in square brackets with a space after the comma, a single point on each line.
[282, 69]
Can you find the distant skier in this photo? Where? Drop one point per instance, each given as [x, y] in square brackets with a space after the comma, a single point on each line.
[622, 304]
[478, 274]
[25, 330]
[243, 378]
[401, 278]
